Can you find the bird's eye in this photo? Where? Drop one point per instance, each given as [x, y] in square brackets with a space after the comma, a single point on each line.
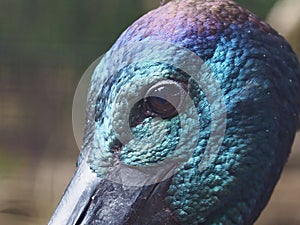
[165, 99]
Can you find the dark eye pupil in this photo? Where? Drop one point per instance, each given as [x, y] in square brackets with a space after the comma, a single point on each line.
[164, 99]
[160, 107]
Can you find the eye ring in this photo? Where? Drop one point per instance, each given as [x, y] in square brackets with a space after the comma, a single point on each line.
[165, 99]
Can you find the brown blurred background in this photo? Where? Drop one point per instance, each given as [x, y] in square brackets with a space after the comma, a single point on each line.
[45, 46]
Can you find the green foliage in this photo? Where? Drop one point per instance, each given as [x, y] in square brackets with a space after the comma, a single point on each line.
[259, 7]
[72, 31]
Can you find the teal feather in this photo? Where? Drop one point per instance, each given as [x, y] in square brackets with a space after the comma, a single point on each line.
[259, 79]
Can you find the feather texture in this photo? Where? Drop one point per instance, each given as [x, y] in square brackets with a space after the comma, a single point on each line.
[259, 78]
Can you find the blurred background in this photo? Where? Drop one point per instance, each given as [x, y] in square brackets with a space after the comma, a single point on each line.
[45, 47]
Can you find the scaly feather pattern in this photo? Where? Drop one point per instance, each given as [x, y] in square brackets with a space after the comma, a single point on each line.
[259, 78]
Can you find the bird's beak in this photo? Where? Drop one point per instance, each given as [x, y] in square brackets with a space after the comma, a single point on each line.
[93, 200]
[76, 197]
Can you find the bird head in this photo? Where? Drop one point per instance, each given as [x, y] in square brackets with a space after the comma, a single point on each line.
[191, 117]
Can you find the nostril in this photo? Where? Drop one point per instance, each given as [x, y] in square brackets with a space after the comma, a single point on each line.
[83, 213]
